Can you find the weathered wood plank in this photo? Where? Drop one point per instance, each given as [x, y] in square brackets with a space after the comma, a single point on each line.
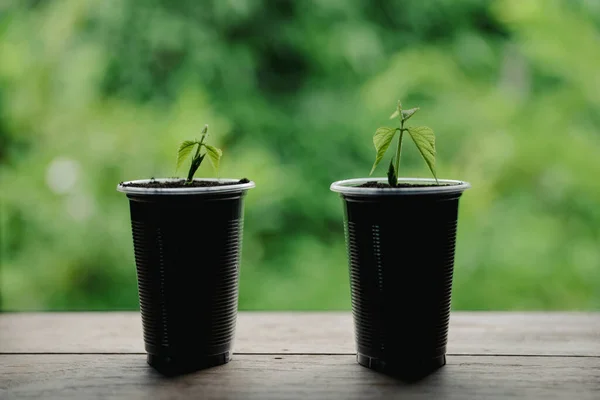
[305, 333]
[296, 377]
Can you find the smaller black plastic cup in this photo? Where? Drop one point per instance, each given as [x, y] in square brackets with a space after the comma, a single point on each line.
[187, 244]
[401, 245]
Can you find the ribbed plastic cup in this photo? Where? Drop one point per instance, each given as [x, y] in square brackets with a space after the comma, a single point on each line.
[401, 245]
[187, 244]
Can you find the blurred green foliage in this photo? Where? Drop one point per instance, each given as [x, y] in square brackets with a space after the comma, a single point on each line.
[96, 92]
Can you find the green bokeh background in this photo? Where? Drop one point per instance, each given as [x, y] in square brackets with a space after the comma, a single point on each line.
[96, 92]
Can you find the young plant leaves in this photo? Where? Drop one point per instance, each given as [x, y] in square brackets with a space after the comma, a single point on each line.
[214, 155]
[398, 111]
[424, 139]
[382, 139]
[184, 151]
[406, 114]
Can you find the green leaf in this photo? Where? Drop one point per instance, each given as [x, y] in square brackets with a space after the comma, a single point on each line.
[398, 111]
[184, 151]
[382, 139]
[214, 155]
[424, 138]
[391, 174]
[406, 114]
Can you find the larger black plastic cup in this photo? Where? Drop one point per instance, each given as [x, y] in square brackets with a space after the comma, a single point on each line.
[401, 245]
[187, 244]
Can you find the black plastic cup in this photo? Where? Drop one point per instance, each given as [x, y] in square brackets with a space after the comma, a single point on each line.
[187, 244]
[401, 245]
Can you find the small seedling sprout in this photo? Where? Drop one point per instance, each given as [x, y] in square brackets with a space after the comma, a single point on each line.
[186, 148]
[422, 136]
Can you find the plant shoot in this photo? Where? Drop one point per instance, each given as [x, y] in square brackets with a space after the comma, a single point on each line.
[422, 136]
[187, 147]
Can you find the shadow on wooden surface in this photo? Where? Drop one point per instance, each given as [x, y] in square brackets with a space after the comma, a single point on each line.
[271, 377]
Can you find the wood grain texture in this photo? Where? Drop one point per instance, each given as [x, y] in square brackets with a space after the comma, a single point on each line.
[498, 333]
[296, 377]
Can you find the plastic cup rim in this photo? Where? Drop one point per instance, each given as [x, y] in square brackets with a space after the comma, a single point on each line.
[350, 186]
[238, 187]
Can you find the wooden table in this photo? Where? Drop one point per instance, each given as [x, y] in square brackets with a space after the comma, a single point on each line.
[294, 355]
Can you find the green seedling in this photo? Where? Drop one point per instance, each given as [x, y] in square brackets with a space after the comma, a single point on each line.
[186, 148]
[423, 137]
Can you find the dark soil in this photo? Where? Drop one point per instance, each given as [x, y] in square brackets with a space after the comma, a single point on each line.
[380, 185]
[181, 184]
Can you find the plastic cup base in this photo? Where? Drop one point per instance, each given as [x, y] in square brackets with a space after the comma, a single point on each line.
[183, 365]
[401, 368]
